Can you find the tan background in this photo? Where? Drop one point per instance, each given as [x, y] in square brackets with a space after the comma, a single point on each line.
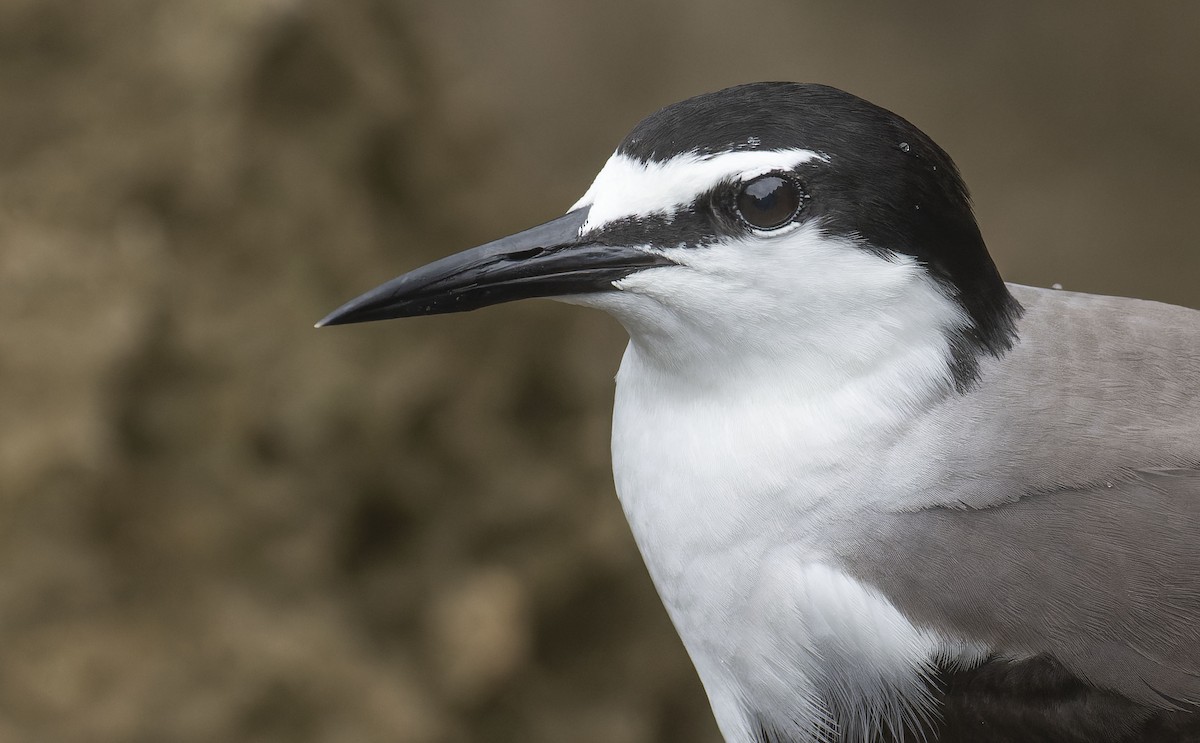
[217, 524]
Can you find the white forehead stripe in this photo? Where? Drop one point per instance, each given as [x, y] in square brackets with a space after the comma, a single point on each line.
[626, 187]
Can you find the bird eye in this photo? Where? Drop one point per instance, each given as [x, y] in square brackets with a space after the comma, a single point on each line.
[769, 201]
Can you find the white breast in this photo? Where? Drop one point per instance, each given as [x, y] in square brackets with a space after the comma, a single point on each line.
[732, 492]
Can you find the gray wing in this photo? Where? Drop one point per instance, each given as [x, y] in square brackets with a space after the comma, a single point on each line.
[1106, 579]
[1060, 501]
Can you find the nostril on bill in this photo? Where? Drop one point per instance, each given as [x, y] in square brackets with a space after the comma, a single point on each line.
[522, 255]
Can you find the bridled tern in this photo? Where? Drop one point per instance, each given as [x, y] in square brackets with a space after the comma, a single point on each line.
[883, 494]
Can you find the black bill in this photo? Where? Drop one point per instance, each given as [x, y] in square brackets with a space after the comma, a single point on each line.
[549, 260]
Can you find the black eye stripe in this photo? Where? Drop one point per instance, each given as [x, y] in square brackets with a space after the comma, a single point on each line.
[691, 226]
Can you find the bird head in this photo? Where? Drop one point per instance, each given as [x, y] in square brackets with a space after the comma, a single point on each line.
[760, 223]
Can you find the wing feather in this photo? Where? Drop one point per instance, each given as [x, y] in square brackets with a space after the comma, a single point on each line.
[1105, 579]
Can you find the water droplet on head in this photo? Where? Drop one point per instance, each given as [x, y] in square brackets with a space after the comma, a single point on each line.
[904, 147]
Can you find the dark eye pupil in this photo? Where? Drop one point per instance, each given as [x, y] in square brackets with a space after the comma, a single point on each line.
[768, 202]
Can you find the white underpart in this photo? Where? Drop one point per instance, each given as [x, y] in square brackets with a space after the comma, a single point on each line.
[626, 187]
[759, 387]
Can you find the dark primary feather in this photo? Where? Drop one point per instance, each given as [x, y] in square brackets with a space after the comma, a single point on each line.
[1032, 701]
[1039, 701]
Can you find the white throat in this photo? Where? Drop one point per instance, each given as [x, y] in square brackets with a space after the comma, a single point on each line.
[797, 315]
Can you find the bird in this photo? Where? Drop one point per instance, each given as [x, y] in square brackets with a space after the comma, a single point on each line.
[883, 494]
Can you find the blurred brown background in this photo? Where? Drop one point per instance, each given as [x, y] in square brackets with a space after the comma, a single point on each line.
[218, 524]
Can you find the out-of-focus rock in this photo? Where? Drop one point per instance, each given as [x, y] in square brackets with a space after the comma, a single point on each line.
[479, 634]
